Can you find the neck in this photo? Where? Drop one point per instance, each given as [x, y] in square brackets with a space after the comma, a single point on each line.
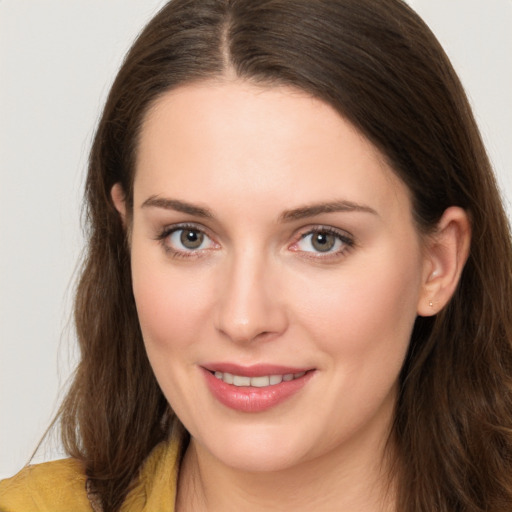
[351, 479]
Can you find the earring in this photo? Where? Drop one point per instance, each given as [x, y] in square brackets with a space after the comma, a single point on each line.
[430, 303]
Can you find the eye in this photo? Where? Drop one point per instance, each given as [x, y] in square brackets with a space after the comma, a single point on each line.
[190, 239]
[185, 240]
[323, 241]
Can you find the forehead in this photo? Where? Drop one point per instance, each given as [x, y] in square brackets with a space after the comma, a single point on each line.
[209, 141]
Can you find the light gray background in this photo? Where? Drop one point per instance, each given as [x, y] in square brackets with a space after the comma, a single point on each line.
[57, 60]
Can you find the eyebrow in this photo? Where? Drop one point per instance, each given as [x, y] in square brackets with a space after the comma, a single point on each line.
[176, 205]
[317, 209]
[287, 216]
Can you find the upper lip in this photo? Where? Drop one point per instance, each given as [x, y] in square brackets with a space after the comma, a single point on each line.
[256, 370]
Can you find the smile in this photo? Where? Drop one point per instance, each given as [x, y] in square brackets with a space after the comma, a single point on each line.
[254, 389]
[257, 382]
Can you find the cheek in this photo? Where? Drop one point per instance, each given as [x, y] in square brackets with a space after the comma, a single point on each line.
[170, 304]
[366, 314]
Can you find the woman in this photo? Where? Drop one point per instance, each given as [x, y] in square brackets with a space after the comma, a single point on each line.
[297, 289]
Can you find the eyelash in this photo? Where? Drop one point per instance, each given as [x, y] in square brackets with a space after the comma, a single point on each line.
[175, 253]
[346, 240]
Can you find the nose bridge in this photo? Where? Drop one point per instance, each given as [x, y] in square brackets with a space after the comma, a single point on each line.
[249, 305]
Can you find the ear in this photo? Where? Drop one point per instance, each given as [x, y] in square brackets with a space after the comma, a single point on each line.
[446, 253]
[118, 198]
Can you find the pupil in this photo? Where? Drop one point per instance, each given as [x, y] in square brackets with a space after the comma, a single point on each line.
[191, 239]
[323, 242]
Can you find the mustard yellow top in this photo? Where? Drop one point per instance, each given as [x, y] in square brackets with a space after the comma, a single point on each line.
[60, 486]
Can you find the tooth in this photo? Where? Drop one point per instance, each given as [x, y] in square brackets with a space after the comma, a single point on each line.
[257, 382]
[275, 379]
[260, 382]
[239, 380]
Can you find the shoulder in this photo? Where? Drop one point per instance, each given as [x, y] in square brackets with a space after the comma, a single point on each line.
[60, 486]
[55, 486]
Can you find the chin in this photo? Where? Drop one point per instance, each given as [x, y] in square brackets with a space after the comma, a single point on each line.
[257, 451]
[256, 460]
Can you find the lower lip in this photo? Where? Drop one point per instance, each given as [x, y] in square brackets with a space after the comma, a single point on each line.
[252, 399]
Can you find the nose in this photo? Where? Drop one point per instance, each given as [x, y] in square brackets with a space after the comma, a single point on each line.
[249, 305]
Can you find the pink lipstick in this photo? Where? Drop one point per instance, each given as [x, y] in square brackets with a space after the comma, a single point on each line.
[254, 388]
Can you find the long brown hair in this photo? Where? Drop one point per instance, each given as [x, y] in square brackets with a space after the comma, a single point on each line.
[382, 69]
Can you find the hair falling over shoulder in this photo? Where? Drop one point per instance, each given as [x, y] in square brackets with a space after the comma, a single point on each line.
[382, 69]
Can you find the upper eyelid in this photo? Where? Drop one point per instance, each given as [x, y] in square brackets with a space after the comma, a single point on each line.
[170, 228]
[319, 228]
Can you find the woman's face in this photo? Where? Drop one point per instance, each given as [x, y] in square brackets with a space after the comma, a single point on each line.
[277, 273]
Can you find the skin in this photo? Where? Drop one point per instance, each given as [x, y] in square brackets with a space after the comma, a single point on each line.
[259, 291]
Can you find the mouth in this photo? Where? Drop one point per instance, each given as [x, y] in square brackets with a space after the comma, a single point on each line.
[256, 388]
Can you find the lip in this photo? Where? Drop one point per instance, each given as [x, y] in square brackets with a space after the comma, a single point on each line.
[252, 399]
[256, 370]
